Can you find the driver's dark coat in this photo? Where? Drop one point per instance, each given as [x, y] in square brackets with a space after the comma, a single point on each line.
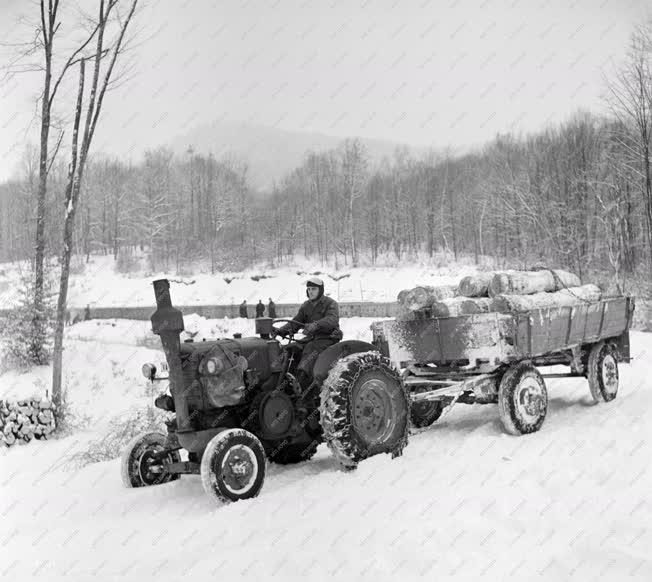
[324, 312]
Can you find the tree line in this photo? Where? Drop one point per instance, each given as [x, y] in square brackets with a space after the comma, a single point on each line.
[573, 196]
[577, 195]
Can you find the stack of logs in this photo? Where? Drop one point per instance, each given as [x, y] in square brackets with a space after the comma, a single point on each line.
[504, 291]
[24, 420]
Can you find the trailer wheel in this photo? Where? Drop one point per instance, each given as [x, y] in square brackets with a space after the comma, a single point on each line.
[364, 409]
[603, 372]
[522, 399]
[423, 414]
[140, 465]
[233, 466]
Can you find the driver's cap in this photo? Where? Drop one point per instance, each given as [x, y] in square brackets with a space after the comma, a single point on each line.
[314, 282]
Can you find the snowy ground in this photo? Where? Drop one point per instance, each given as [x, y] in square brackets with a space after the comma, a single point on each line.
[101, 286]
[465, 501]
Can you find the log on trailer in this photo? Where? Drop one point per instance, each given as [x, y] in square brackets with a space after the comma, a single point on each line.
[461, 306]
[423, 296]
[530, 282]
[476, 285]
[564, 298]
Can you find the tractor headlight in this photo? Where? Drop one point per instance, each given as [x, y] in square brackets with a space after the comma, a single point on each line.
[213, 366]
[149, 371]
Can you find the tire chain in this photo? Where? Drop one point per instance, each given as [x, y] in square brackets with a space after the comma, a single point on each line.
[329, 408]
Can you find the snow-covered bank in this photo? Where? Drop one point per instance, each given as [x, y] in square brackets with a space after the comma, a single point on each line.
[464, 502]
[100, 285]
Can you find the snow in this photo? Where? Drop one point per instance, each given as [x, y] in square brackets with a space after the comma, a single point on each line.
[101, 286]
[465, 501]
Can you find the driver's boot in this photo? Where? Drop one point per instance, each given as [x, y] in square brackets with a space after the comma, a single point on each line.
[304, 379]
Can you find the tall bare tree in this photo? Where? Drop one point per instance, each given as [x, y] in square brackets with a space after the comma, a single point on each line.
[105, 52]
[354, 169]
[630, 99]
[47, 28]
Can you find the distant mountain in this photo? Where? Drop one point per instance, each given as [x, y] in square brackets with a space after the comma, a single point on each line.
[270, 152]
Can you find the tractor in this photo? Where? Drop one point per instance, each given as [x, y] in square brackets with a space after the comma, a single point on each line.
[237, 404]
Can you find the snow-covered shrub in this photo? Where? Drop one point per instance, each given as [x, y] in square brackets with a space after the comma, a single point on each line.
[28, 331]
[70, 420]
[121, 430]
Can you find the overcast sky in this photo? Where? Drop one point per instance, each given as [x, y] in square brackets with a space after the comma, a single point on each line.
[423, 72]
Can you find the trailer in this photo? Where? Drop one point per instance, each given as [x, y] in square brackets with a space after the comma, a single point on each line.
[494, 358]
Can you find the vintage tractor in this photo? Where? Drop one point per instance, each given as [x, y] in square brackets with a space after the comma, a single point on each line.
[237, 403]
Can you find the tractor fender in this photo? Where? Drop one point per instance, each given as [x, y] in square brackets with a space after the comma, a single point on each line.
[331, 354]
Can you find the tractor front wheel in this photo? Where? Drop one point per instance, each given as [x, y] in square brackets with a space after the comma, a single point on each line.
[144, 459]
[233, 466]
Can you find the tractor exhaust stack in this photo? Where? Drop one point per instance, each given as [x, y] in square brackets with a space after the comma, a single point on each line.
[167, 323]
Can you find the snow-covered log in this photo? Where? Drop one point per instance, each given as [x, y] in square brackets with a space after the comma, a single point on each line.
[424, 296]
[530, 282]
[564, 298]
[461, 306]
[476, 285]
[23, 420]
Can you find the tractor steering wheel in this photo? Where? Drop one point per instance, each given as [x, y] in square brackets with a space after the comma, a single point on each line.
[290, 335]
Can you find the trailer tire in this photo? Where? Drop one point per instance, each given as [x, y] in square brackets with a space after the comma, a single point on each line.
[602, 372]
[364, 409]
[284, 453]
[423, 414]
[522, 399]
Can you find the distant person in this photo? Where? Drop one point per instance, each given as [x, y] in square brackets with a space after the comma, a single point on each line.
[243, 309]
[260, 308]
[271, 309]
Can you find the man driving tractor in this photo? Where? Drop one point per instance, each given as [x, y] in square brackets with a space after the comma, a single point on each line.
[320, 318]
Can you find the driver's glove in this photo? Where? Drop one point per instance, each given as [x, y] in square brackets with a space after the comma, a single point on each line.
[311, 328]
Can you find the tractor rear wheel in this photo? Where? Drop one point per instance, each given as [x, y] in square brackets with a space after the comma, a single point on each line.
[364, 408]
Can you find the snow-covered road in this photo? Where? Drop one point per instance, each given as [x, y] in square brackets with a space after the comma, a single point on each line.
[465, 501]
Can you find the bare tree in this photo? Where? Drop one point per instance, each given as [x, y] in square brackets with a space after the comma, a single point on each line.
[630, 99]
[24, 61]
[354, 167]
[104, 52]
